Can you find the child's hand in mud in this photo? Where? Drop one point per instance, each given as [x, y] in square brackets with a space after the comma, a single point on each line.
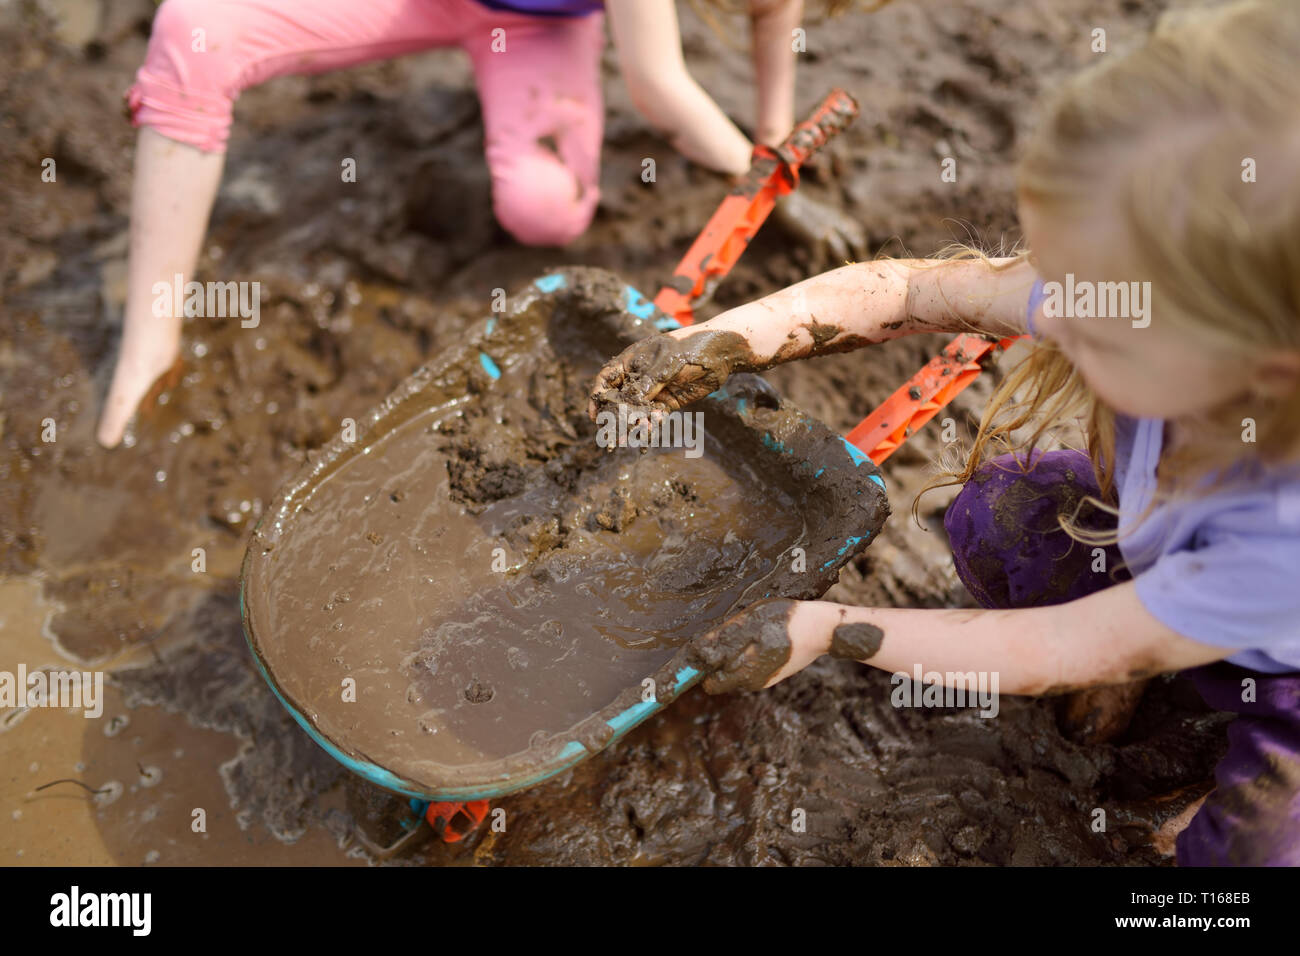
[668, 371]
[143, 371]
[748, 650]
[776, 637]
[821, 227]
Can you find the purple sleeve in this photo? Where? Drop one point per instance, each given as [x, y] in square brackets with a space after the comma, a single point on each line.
[1238, 584]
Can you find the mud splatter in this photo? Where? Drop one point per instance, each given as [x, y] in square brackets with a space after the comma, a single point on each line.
[856, 642]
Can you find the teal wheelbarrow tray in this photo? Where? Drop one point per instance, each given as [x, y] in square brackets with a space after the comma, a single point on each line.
[840, 492]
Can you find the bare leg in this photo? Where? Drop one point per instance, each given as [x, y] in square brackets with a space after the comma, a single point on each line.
[172, 194]
[188, 93]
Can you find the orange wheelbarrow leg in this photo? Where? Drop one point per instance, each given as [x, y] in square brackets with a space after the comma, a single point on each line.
[452, 822]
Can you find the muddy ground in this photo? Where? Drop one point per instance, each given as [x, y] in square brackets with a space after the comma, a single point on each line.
[363, 282]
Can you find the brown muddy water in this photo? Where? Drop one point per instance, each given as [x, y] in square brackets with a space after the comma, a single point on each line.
[127, 561]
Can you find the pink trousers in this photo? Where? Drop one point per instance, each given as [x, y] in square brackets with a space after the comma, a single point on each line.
[538, 81]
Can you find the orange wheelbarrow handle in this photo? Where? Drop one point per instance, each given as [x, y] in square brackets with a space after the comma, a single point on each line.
[924, 394]
[772, 174]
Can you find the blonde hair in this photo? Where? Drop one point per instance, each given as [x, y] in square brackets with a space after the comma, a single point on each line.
[1164, 133]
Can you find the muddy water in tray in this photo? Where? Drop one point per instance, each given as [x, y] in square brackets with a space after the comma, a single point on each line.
[457, 663]
[489, 577]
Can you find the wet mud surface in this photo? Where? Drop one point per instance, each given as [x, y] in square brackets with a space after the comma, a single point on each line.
[128, 560]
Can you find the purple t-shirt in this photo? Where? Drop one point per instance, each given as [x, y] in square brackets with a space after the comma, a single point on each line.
[546, 8]
[1222, 569]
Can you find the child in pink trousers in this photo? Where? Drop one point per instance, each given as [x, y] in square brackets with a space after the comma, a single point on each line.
[537, 66]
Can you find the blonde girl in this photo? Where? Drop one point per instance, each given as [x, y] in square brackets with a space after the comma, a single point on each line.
[1172, 168]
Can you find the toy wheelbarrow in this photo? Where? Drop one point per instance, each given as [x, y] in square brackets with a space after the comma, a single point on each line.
[469, 595]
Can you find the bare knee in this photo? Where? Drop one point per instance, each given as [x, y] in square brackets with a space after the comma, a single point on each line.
[540, 201]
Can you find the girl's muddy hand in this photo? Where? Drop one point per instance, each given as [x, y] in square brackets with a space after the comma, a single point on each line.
[670, 370]
[823, 228]
[748, 649]
[775, 638]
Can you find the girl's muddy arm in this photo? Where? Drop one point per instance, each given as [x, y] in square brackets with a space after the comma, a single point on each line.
[871, 302]
[840, 310]
[649, 46]
[1105, 638]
